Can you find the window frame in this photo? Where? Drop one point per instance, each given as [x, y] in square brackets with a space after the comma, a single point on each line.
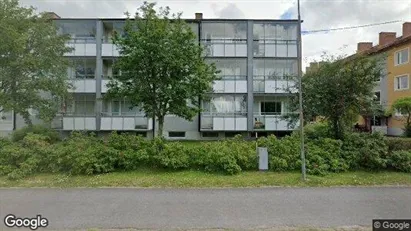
[271, 113]
[176, 132]
[399, 51]
[396, 81]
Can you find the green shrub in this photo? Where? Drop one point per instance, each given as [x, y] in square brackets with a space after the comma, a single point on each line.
[26, 157]
[398, 144]
[133, 150]
[400, 160]
[317, 130]
[284, 154]
[52, 135]
[244, 152]
[215, 157]
[82, 154]
[367, 151]
[324, 155]
[173, 156]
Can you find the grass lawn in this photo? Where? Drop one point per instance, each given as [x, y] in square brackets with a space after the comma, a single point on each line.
[197, 179]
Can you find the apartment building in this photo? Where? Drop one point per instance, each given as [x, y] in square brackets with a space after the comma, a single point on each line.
[395, 80]
[255, 57]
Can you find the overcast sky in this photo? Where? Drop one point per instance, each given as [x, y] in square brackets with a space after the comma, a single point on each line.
[317, 14]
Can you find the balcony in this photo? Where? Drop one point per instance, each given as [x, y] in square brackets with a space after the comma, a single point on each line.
[79, 123]
[274, 86]
[230, 86]
[272, 123]
[6, 121]
[82, 47]
[223, 122]
[83, 85]
[109, 50]
[125, 123]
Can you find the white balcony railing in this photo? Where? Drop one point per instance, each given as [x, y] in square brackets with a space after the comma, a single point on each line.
[125, 123]
[272, 123]
[83, 85]
[224, 122]
[81, 123]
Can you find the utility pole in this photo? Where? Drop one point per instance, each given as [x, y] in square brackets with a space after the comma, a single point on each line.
[300, 92]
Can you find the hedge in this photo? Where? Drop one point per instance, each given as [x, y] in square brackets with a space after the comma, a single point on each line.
[87, 154]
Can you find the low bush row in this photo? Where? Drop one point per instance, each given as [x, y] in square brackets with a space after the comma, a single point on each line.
[33, 152]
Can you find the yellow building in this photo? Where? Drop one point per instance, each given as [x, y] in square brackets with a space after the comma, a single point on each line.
[395, 81]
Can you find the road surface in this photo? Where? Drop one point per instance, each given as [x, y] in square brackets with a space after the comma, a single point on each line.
[117, 208]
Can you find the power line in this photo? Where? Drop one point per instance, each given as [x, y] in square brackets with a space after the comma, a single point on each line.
[350, 27]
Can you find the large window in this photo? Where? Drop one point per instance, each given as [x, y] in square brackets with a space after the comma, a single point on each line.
[112, 27]
[274, 69]
[275, 40]
[82, 105]
[231, 69]
[401, 82]
[270, 108]
[83, 69]
[225, 39]
[120, 108]
[226, 105]
[401, 57]
[81, 31]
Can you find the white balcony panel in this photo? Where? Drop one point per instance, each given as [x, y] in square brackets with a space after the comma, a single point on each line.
[241, 86]
[282, 124]
[90, 124]
[218, 124]
[270, 123]
[117, 123]
[129, 124]
[109, 50]
[84, 86]
[229, 124]
[279, 86]
[104, 87]
[105, 123]
[82, 49]
[241, 124]
[229, 86]
[218, 86]
[79, 123]
[6, 121]
[241, 50]
[125, 123]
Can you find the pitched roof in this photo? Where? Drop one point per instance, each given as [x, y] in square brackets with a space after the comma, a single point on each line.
[378, 48]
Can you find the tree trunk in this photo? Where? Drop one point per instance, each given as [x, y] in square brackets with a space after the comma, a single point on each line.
[160, 126]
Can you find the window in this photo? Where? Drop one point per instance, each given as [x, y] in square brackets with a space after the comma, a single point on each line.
[82, 105]
[231, 69]
[226, 105]
[232, 134]
[401, 82]
[270, 108]
[80, 31]
[377, 97]
[225, 39]
[274, 69]
[176, 134]
[120, 108]
[209, 134]
[401, 56]
[83, 69]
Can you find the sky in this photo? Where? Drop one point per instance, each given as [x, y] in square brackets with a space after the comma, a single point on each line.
[317, 15]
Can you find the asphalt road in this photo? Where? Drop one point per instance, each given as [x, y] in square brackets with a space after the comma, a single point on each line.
[206, 208]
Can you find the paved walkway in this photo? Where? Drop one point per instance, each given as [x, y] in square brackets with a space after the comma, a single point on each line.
[206, 208]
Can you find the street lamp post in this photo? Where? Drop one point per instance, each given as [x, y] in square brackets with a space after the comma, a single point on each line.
[299, 54]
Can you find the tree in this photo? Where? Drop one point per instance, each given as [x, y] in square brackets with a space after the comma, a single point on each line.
[403, 106]
[32, 67]
[338, 90]
[162, 67]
